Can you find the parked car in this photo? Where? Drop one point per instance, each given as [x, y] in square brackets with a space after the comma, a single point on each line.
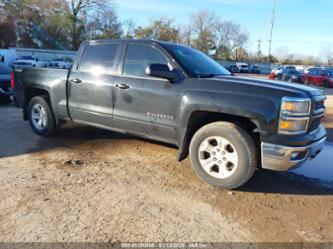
[233, 69]
[29, 61]
[255, 69]
[8, 56]
[309, 69]
[277, 72]
[292, 75]
[319, 77]
[6, 75]
[64, 63]
[243, 67]
[229, 125]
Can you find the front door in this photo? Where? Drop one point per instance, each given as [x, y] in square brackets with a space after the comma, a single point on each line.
[146, 105]
[91, 85]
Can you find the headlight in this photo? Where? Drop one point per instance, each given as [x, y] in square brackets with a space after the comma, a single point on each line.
[295, 106]
[294, 116]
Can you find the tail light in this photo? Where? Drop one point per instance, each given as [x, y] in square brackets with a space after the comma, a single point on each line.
[12, 80]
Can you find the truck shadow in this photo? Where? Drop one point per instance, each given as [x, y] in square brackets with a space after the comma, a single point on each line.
[270, 182]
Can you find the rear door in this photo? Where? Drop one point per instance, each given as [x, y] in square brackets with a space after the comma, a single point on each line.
[91, 83]
[146, 105]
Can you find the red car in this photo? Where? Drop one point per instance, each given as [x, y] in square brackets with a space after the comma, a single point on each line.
[318, 77]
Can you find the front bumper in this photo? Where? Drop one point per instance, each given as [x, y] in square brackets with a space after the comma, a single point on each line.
[282, 158]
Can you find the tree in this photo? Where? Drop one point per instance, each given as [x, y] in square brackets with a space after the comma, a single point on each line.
[203, 30]
[128, 29]
[163, 29]
[230, 39]
[7, 33]
[104, 26]
[36, 23]
[78, 16]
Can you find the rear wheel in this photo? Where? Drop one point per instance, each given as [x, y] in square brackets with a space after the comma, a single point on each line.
[41, 116]
[223, 154]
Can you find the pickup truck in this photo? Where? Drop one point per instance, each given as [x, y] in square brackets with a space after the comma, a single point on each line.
[229, 126]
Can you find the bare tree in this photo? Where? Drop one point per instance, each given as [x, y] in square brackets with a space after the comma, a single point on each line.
[128, 29]
[327, 55]
[79, 11]
[203, 25]
[230, 39]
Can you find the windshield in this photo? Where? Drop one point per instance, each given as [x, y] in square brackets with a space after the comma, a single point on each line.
[26, 58]
[195, 63]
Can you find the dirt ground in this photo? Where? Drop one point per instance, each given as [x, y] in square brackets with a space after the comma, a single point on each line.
[127, 189]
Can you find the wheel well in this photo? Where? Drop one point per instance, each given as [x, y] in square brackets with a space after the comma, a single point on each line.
[29, 93]
[199, 119]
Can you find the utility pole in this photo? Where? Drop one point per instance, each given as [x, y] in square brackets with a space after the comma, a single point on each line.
[259, 49]
[271, 34]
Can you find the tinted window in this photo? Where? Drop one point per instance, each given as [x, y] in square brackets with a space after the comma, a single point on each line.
[139, 56]
[195, 62]
[100, 58]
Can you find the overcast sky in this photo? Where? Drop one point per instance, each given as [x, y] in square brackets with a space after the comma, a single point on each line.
[302, 26]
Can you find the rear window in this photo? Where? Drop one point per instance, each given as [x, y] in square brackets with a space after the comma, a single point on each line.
[100, 58]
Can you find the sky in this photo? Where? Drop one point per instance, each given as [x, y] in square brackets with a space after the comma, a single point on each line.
[301, 26]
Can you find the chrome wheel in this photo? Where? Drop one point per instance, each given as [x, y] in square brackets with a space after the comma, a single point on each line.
[218, 157]
[38, 116]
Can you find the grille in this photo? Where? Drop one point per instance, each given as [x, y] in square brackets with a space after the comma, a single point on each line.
[317, 109]
[314, 124]
[318, 105]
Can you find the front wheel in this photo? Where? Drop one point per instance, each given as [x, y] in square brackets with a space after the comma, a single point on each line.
[41, 117]
[223, 154]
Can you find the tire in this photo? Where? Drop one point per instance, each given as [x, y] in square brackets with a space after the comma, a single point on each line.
[326, 84]
[41, 117]
[237, 143]
[307, 82]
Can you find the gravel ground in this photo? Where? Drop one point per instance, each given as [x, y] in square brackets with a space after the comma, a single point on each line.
[126, 189]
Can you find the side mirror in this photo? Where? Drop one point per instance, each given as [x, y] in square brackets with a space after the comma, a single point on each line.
[162, 71]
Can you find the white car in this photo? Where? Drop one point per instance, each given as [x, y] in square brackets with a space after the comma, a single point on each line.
[64, 63]
[243, 67]
[29, 61]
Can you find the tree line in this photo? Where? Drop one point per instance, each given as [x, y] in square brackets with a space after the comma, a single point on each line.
[65, 24]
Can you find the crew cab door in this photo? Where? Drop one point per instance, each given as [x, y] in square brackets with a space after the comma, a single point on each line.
[145, 105]
[90, 86]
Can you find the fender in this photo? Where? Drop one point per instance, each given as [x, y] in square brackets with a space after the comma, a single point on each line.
[261, 110]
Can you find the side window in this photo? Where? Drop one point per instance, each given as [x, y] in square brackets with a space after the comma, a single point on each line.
[100, 58]
[138, 57]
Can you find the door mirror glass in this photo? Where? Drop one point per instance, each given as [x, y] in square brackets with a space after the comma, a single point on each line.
[162, 71]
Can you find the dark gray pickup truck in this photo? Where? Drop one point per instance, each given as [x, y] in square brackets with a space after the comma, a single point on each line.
[230, 126]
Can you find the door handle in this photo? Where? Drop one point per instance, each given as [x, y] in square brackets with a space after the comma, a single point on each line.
[76, 81]
[122, 86]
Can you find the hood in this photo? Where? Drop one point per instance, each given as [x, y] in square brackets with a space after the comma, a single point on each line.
[293, 88]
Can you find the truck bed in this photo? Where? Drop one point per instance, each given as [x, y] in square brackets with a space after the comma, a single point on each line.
[53, 81]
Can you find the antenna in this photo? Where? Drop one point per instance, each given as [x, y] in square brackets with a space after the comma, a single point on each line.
[271, 34]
